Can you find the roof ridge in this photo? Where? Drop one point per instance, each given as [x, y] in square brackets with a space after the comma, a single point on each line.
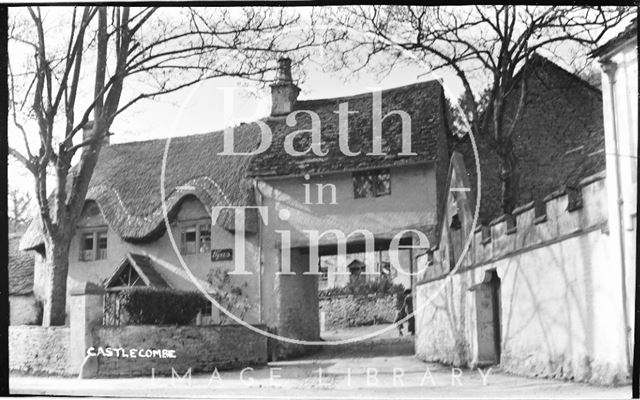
[189, 136]
[268, 117]
[363, 94]
[626, 34]
[538, 60]
[577, 77]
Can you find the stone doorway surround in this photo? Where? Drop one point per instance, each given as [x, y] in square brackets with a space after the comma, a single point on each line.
[485, 338]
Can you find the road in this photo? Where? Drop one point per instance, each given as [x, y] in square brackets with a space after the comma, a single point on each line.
[379, 369]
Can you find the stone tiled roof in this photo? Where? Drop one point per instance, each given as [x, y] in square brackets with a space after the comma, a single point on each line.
[422, 101]
[559, 139]
[20, 269]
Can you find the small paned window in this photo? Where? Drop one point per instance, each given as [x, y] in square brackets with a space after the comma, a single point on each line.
[372, 183]
[93, 245]
[196, 238]
[189, 240]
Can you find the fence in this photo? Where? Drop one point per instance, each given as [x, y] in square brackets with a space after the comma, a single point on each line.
[111, 309]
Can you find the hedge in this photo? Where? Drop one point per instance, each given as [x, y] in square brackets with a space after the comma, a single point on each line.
[153, 306]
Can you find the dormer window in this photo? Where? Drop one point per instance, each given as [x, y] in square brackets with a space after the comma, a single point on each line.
[189, 240]
[93, 245]
[102, 246]
[204, 238]
[372, 183]
[196, 238]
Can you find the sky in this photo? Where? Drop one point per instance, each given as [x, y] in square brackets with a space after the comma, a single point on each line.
[199, 109]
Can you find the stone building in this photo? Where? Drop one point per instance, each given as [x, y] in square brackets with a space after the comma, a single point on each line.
[619, 61]
[537, 291]
[122, 239]
[23, 307]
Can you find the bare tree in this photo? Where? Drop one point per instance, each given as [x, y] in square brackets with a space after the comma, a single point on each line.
[19, 203]
[73, 69]
[486, 47]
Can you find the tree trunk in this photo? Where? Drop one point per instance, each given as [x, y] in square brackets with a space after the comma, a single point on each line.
[55, 286]
[510, 178]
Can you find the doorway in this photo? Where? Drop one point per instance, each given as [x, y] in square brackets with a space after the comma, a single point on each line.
[487, 301]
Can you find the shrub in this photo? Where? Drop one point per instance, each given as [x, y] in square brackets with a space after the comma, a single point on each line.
[229, 295]
[153, 306]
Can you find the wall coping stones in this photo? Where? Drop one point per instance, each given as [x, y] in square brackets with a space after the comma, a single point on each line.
[362, 296]
[86, 288]
[178, 327]
[593, 178]
[525, 207]
[554, 195]
[540, 219]
[497, 220]
[540, 223]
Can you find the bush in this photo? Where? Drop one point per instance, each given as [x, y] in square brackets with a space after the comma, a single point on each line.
[228, 294]
[152, 306]
[362, 287]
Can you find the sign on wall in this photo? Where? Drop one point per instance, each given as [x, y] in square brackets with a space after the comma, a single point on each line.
[221, 255]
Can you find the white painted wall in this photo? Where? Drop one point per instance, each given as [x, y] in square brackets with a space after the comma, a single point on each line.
[163, 253]
[560, 295]
[412, 203]
[620, 102]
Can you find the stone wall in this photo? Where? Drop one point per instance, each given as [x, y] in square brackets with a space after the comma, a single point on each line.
[24, 310]
[201, 348]
[38, 350]
[345, 311]
[560, 300]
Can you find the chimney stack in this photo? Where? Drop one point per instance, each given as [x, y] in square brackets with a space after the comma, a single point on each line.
[284, 92]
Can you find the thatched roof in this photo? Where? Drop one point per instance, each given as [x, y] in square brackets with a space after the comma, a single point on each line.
[126, 183]
[20, 269]
[422, 101]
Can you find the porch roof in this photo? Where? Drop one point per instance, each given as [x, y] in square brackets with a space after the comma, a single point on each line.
[145, 268]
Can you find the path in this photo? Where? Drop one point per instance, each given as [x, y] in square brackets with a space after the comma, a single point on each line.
[379, 369]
